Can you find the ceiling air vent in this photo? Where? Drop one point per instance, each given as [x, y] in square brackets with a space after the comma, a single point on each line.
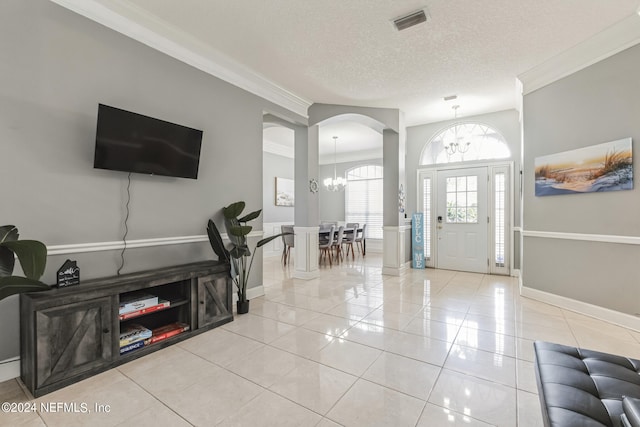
[410, 20]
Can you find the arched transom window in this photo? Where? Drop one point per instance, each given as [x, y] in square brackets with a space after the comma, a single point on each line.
[463, 142]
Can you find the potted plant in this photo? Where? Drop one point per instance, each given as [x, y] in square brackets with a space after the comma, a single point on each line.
[239, 254]
[33, 259]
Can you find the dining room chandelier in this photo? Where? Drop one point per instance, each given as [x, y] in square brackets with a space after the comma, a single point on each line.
[337, 183]
[455, 147]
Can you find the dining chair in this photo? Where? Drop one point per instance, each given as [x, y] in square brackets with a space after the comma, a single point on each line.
[287, 240]
[326, 245]
[350, 238]
[337, 243]
[360, 239]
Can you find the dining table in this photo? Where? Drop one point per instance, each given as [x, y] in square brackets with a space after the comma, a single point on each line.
[324, 234]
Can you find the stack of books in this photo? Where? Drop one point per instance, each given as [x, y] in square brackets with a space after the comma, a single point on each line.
[137, 336]
[132, 337]
[139, 303]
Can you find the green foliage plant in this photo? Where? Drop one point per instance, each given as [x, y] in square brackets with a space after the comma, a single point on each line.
[239, 255]
[32, 256]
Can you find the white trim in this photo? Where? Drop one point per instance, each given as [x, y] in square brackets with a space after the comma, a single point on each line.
[278, 149]
[132, 244]
[516, 273]
[305, 257]
[393, 271]
[603, 238]
[351, 156]
[398, 228]
[9, 369]
[136, 23]
[601, 313]
[255, 292]
[608, 42]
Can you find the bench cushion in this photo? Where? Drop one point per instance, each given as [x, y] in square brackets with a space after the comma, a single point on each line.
[580, 387]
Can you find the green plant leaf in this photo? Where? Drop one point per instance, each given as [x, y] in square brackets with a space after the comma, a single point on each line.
[7, 261]
[240, 251]
[32, 256]
[251, 216]
[233, 210]
[8, 233]
[270, 238]
[216, 242]
[16, 285]
[241, 230]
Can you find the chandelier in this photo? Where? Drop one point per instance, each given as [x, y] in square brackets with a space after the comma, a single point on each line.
[456, 147]
[337, 183]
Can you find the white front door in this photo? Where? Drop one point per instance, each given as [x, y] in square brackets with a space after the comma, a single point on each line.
[462, 220]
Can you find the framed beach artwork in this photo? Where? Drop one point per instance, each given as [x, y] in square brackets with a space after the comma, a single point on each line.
[601, 167]
[284, 192]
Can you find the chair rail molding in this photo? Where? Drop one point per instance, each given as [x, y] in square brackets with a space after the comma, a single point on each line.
[132, 244]
[602, 238]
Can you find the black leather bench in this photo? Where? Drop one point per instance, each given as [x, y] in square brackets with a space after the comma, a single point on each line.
[586, 388]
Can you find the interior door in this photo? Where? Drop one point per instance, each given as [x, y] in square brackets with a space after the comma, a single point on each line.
[461, 220]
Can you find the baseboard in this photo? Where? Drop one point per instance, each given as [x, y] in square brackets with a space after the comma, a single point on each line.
[520, 284]
[9, 369]
[601, 313]
[306, 275]
[515, 272]
[255, 292]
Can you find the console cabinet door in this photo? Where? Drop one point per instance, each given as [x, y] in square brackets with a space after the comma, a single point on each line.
[72, 339]
[214, 301]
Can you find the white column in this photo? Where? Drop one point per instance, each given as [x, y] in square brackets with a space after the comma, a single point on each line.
[305, 259]
[393, 253]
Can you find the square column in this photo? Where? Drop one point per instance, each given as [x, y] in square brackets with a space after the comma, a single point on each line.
[307, 207]
[306, 253]
[393, 252]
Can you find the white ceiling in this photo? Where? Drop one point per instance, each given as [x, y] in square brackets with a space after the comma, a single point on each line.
[348, 52]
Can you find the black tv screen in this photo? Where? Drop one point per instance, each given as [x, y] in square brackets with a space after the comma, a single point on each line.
[131, 142]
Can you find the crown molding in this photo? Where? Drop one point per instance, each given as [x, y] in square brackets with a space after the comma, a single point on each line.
[608, 42]
[277, 149]
[350, 156]
[133, 22]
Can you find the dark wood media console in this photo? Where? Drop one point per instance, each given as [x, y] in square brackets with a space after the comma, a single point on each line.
[69, 334]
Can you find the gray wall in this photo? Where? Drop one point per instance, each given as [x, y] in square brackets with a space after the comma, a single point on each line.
[56, 67]
[281, 167]
[332, 204]
[505, 122]
[598, 104]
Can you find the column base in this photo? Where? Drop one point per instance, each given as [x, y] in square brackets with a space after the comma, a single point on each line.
[393, 250]
[306, 253]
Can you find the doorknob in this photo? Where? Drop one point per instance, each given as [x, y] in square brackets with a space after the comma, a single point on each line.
[439, 222]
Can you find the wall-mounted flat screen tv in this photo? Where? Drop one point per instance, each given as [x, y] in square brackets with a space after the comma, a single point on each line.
[131, 142]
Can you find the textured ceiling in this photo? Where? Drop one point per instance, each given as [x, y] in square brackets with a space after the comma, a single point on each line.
[348, 52]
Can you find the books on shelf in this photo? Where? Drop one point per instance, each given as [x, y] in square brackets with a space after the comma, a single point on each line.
[162, 304]
[167, 331]
[130, 347]
[136, 301]
[133, 333]
[134, 337]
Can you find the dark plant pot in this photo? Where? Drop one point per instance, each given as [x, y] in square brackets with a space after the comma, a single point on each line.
[242, 306]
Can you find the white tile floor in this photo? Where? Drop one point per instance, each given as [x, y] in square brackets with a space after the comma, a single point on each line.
[352, 348]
